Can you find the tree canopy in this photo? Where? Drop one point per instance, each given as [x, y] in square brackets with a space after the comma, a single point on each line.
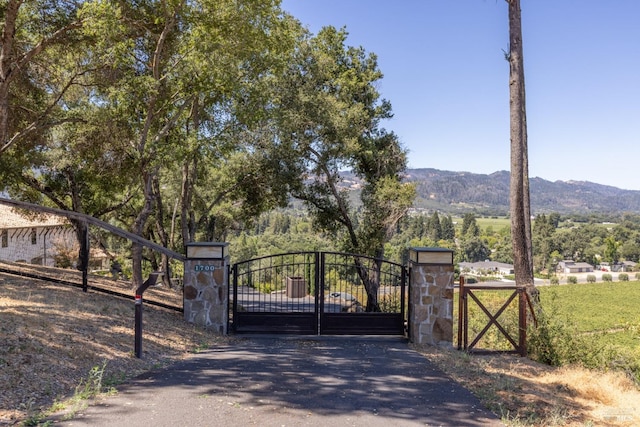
[181, 120]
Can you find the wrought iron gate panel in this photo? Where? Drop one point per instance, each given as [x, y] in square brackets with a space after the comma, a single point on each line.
[346, 307]
[276, 294]
[318, 293]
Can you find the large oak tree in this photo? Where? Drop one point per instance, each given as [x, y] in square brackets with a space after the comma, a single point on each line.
[329, 120]
[30, 30]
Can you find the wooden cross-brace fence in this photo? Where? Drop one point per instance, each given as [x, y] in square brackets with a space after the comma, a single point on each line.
[525, 307]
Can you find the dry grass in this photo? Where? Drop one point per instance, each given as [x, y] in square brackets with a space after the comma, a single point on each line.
[524, 392]
[51, 336]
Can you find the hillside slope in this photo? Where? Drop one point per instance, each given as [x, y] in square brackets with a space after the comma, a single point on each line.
[489, 194]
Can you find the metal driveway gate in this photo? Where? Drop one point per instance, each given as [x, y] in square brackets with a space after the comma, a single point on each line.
[313, 293]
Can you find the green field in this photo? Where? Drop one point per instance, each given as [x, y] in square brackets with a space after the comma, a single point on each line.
[496, 223]
[608, 311]
[597, 307]
[595, 324]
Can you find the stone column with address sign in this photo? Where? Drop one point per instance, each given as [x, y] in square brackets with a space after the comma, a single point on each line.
[431, 296]
[206, 290]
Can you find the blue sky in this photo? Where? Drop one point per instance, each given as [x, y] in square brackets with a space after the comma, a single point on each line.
[447, 80]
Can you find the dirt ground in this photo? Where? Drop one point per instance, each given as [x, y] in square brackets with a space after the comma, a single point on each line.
[51, 336]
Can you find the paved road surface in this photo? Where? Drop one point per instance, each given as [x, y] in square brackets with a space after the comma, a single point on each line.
[275, 381]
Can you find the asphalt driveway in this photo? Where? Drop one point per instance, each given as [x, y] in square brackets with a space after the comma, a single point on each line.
[293, 381]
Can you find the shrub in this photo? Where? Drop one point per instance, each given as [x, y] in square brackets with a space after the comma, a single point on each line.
[390, 303]
[66, 255]
[555, 340]
[606, 277]
[623, 277]
[572, 280]
[554, 280]
[266, 287]
[637, 276]
[591, 278]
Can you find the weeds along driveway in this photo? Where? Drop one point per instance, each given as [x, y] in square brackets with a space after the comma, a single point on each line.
[275, 381]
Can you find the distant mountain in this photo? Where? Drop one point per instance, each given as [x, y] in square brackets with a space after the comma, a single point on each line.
[457, 192]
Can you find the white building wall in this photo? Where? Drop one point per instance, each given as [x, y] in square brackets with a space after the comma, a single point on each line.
[34, 245]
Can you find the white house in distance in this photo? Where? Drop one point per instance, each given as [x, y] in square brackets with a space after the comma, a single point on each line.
[486, 267]
[617, 266]
[569, 266]
[32, 239]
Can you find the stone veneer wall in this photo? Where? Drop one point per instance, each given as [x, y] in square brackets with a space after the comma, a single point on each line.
[206, 293]
[431, 299]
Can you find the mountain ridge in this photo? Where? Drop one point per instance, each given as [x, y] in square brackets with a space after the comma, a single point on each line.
[488, 194]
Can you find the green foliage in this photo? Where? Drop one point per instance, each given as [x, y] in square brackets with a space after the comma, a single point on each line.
[606, 277]
[473, 249]
[554, 341]
[37, 420]
[575, 326]
[92, 385]
[470, 225]
[554, 280]
[390, 302]
[332, 119]
[572, 280]
[591, 278]
[448, 230]
[598, 306]
[154, 120]
[267, 287]
[329, 116]
[160, 132]
[544, 242]
[42, 35]
[494, 222]
[630, 249]
[611, 251]
[334, 281]
[637, 276]
[261, 240]
[434, 227]
[623, 277]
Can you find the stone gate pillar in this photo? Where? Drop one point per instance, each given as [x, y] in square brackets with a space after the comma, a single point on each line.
[431, 296]
[206, 290]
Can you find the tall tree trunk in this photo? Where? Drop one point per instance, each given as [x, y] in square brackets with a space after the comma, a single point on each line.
[372, 285]
[519, 196]
[140, 224]
[187, 224]
[7, 72]
[162, 232]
